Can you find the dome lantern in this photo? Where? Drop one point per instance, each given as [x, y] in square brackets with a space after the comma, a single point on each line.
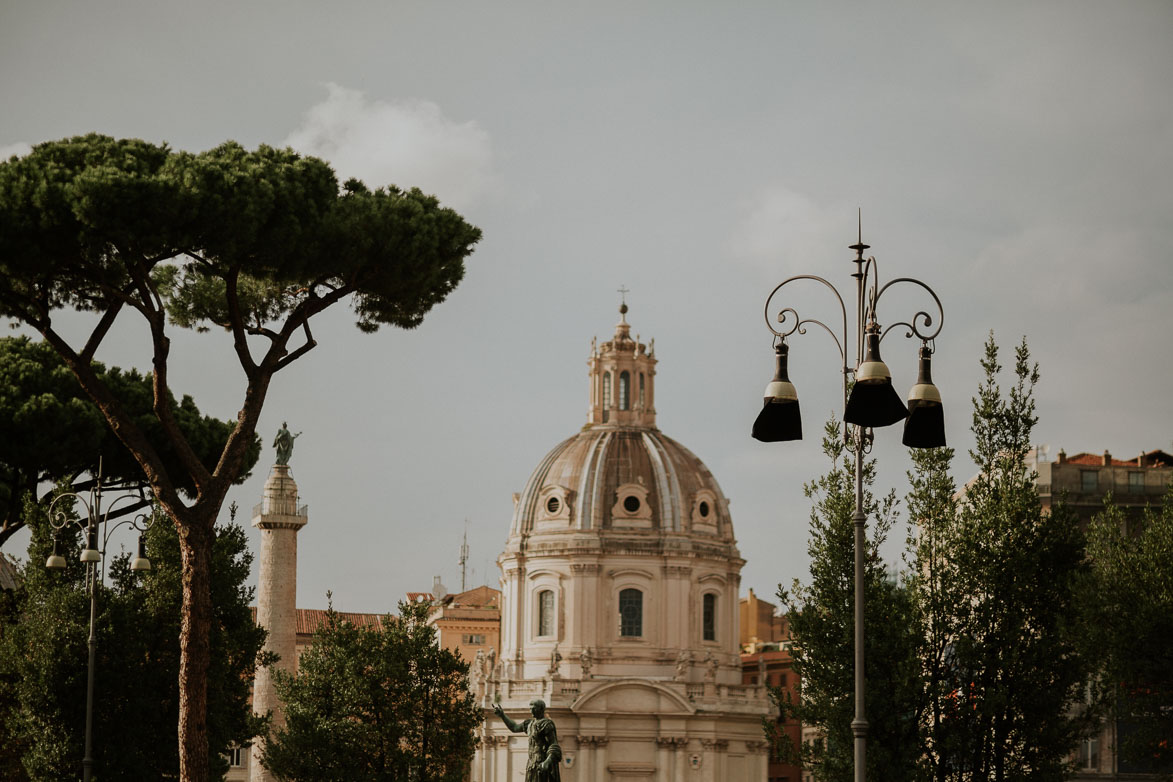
[622, 379]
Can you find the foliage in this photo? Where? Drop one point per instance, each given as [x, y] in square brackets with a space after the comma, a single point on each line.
[374, 704]
[821, 616]
[256, 242]
[997, 588]
[50, 431]
[43, 653]
[1131, 623]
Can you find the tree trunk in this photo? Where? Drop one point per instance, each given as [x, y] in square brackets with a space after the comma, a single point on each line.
[195, 544]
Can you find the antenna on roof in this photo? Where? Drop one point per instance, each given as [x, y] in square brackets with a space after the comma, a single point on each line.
[463, 556]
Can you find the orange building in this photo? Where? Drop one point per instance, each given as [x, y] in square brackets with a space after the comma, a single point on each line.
[766, 661]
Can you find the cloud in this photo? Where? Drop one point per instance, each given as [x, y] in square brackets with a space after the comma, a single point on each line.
[406, 143]
[783, 230]
[18, 149]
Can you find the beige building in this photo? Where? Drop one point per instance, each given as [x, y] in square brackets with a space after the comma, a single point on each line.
[619, 602]
[1082, 482]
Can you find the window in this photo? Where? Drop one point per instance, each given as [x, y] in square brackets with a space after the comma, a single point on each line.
[546, 612]
[606, 390]
[1089, 754]
[709, 617]
[473, 639]
[631, 613]
[1088, 482]
[624, 391]
[1136, 483]
[641, 390]
[235, 756]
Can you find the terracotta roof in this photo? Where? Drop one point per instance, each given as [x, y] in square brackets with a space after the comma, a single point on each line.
[310, 619]
[480, 597]
[1097, 460]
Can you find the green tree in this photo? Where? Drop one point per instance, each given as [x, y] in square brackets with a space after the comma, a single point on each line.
[1131, 624]
[375, 704]
[821, 616]
[932, 510]
[256, 242]
[43, 654]
[998, 590]
[50, 431]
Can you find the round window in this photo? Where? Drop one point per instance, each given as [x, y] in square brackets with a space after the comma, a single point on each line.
[553, 505]
[704, 509]
[631, 503]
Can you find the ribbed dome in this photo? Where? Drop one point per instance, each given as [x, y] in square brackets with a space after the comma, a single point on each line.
[609, 477]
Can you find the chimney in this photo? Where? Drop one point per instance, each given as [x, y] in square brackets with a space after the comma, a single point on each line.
[1062, 456]
[1107, 458]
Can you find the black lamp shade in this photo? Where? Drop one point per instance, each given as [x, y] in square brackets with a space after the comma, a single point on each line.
[873, 401]
[874, 404]
[779, 419]
[925, 427]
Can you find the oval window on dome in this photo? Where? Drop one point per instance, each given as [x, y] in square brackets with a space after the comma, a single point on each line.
[553, 505]
[631, 503]
[703, 508]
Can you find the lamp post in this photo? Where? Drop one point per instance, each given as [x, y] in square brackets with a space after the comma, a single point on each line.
[97, 529]
[869, 402]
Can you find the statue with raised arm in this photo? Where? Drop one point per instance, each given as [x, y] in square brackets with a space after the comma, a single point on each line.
[544, 752]
[284, 443]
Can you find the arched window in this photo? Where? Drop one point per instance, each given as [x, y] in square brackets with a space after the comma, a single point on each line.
[546, 612]
[631, 613]
[606, 390]
[709, 617]
[624, 391]
[642, 403]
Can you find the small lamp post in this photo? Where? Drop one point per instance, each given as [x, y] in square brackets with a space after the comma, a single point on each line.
[869, 402]
[97, 529]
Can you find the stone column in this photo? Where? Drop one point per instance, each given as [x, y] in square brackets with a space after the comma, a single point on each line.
[279, 518]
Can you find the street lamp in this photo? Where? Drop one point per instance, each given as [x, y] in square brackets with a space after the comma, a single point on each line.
[869, 402]
[97, 529]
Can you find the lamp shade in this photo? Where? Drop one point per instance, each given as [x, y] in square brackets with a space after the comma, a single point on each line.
[873, 401]
[925, 427]
[141, 562]
[779, 419]
[55, 560]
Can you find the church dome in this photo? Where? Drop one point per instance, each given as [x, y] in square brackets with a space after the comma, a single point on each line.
[622, 477]
[620, 472]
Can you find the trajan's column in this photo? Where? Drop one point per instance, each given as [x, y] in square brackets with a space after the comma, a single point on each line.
[279, 518]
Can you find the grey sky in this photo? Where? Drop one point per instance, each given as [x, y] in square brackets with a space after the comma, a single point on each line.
[1016, 157]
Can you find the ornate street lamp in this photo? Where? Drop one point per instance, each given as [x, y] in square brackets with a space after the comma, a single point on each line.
[97, 529]
[869, 402]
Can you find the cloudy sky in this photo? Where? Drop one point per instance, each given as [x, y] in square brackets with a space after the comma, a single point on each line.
[1016, 157]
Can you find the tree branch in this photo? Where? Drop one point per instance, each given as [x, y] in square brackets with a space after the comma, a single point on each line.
[309, 345]
[100, 331]
[162, 406]
[239, 339]
[120, 422]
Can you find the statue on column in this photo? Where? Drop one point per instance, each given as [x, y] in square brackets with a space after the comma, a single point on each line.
[284, 443]
[544, 752]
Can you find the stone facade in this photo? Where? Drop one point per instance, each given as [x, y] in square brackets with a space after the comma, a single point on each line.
[619, 602]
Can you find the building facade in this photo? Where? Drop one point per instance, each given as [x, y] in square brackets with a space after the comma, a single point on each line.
[619, 603]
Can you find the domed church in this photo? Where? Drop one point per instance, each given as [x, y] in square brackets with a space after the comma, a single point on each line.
[619, 602]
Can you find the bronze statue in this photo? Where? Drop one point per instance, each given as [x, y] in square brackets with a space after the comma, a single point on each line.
[284, 443]
[544, 752]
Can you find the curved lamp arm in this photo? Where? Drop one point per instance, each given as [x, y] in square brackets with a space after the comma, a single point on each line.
[800, 323]
[920, 319]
